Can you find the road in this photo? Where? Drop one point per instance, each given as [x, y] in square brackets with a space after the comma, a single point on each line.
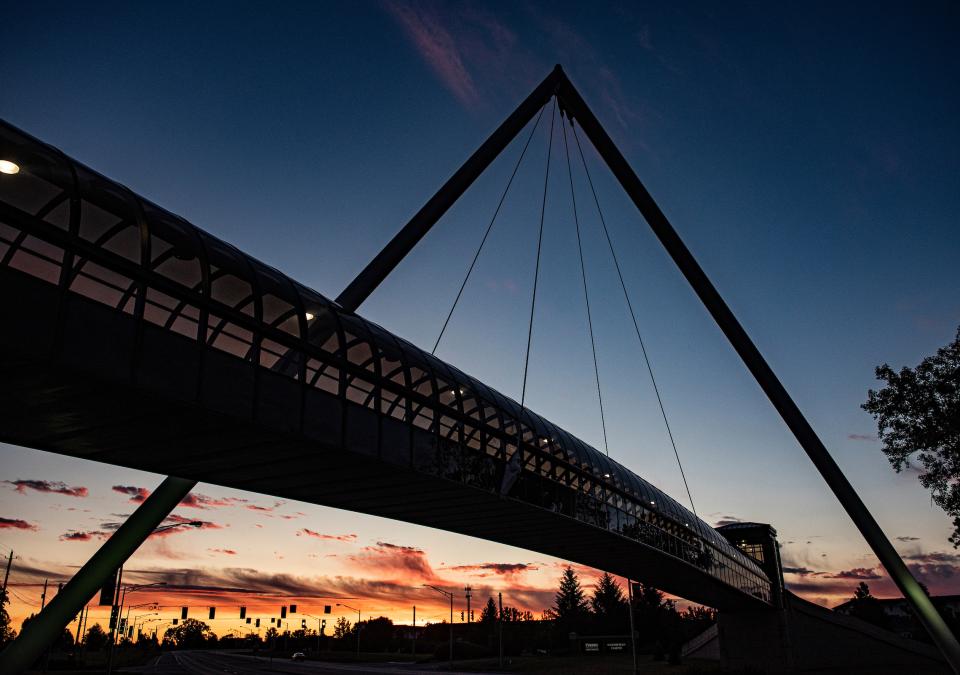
[220, 663]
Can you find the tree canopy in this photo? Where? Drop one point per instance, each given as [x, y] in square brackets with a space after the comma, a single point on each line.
[570, 606]
[191, 634]
[609, 605]
[918, 420]
[6, 630]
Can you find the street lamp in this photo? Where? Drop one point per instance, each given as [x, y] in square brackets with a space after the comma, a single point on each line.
[450, 596]
[319, 622]
[136, 621]
[340, 604]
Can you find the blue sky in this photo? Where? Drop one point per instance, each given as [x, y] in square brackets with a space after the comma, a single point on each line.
[807, 155]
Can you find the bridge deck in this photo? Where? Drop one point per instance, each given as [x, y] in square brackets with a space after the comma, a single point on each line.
[136, 339]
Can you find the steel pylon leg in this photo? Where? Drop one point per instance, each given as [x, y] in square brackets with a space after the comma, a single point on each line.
[48, 625]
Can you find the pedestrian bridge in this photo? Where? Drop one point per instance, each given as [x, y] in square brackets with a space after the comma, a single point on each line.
[131, 337]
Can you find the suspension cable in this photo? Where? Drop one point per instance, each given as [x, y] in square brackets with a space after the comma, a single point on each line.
[487, 232]
[636, 326]
[536, 271]
[586, 294]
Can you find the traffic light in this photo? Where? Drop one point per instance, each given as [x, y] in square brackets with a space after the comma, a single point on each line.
[283, 612]
[183, 612]
[272, 619]
[461, 615]
[109, 590]
[130, 633]
[213, 613]
[258, 623]
[293, 609]
[243, 613]
[114, 613]
[326, 609]
[121, 626]
[248, 619]
[303, 623]
[176, 621]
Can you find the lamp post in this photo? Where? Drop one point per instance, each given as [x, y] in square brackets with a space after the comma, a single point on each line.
[162, 528]
[136, 620]
[450, 596]
[123, 597]
[340, 604]
[319, 621]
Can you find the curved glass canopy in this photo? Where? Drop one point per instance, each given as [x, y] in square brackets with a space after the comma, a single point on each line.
[96, 239]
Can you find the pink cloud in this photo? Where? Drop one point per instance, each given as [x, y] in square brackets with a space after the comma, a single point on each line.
[198, 501]
[56, 487]
[332, 537]
[136, 494]
[437, 47]
[16, 524]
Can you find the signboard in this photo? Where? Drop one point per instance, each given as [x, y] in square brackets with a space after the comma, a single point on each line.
[591, 646]
[616, 646]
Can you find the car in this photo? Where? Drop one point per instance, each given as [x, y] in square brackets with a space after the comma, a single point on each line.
[298, 656]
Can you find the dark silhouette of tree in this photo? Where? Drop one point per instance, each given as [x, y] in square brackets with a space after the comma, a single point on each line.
[96, 638]
[918, 419]
[514, 614]
[570, 606]
[866, 607]
[191, 634]
[488, 615]
[6, 630]
[342, 629]
[609, 605]
[375, 634]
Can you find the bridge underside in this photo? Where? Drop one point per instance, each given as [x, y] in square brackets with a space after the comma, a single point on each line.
[65, 405]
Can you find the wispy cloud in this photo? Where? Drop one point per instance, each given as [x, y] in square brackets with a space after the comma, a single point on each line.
[199, 501]
[224, 551]
[16, 524]
[56, 487]
[83, 535]
[436, 46]
[858, 573]
[862, 437]
[331, 537]
[499, 569]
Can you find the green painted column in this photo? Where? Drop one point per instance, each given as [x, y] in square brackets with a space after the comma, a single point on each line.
[40, 633]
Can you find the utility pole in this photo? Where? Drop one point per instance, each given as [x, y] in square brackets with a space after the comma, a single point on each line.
[114, 618]
[414, 650]
[6, 576]
[468, 589]
[43, 596]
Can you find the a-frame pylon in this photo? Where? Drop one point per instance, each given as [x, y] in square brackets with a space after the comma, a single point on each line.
[558, 84]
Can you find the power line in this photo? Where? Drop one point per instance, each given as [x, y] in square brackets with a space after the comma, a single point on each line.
[489, 227]
[636, 326]
[586, 294]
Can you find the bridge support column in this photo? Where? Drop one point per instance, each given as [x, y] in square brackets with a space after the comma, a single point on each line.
[50, 622]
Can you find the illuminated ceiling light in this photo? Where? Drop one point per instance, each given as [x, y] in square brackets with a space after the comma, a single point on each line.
[653, 503]
[606, 475]
[8, 167]
[309, 316]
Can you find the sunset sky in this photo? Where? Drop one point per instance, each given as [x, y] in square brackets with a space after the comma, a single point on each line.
[806, 155]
